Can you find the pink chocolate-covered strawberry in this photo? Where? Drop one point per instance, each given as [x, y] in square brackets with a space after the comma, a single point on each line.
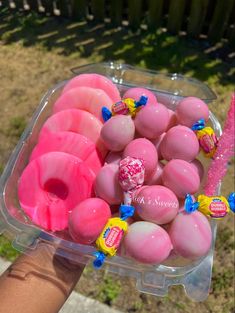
[72, 143]
[51, 186]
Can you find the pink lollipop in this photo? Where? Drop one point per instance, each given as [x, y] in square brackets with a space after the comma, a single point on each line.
[84, 98]
[77, 121]
[51, 186]
[191, 235]
[107, 185]
[181, 177]
[152, 120]
[144, 150]
[172, 119]
[88, 219]
[156, 204]
[71, 143]
[180, 142]
[131, 176]
[136, 93]
[94, 81]
[147, 243]
[190, 110]
[157, 144]
[117, 132]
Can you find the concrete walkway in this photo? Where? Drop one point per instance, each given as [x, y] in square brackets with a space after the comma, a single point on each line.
[76, 303]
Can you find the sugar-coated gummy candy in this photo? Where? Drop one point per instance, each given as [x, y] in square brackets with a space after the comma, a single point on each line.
[180, 142]
[156, 204]
[143, 149]
[107, 185]
[191, 235]
[180, 176]
[117, 132]
[96, 81]
[51, 186]
[77, 121]
[136, 92]
[84, 98]
[88, 219]
[190, 110]
[72, 143]
[147, 243]
[152, 120]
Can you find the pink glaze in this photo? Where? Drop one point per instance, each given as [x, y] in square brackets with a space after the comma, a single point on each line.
[88, 219]
[77, 121]
[172, 119]
[143, 149]
[117, 132]
[71, 143]
[84, 98]
[107, 185]
[198, 167]
[156, 204]
[190, 110]
[136, 93]
[152, 120]
[51, 186]
[180, 177]
[157, 144]
[155, 178]
[191, 235]
[113, 157]
[180, 142]
[94, 81]
[147, 243]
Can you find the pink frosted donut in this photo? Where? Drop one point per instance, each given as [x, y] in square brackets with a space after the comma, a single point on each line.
[191, 235]
[76, 121]
[117, 132]
[94, 81]
[155, 178]
[180, 177]
[190, 110]
[107, 185]
[84, 98]
[113, 157]
[51, 186]
[72, 143]
[88, 219]
[143, 149]
[172, 119]
[198, 167]
[180, 142]
[136, 93]
[147, 243]
[152, 120]
[156, 204]
[157, 144]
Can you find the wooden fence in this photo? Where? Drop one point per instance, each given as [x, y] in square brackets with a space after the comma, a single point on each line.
[214, 19]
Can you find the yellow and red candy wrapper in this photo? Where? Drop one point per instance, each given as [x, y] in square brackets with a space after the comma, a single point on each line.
[206, 137]
[124, 107]
[112, 234]
[215, 207]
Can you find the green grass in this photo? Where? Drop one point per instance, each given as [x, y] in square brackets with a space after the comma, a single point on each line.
[17, 126]
[6, 249]
[109, 290]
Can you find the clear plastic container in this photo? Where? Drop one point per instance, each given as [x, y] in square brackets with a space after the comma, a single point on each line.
[195, 276]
